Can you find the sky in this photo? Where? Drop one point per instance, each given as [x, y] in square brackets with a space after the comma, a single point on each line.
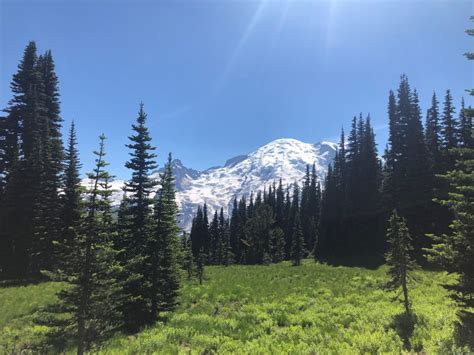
[220, 78]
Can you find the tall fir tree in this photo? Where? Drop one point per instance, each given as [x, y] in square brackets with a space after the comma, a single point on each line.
[398, 257]
[449, 124]
[297, 242]
[21, 203]
[224, 237]
[214, 236]
[165, 247]
[407, 169]
[234, 231]
[135, 255]
[432, 135]
[197, 233]
[465, 127]
[88, 310]
[455, 250]
[71, 204]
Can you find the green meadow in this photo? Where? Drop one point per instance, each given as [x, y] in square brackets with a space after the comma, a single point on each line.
[313, 308]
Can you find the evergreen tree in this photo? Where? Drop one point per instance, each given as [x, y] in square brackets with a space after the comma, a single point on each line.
[315, 207]
[31, 152]
[465, 127]
[432, 134]
[234, 231]
[454, 250]
[398, 256]
[188, 262]
[200, 266]
[392, 174]
[23, 157]
[407, 172]
[258, 233]
[306, 213]
[71, 205]
[293, 209]
[165, 247]
[242, 217]
[197, 233]
[214, 235]
[449, 124]
[48, 221]
[329, 216]
[135, 237]
[297, 242]
[278, 244]
[224, 238]
[280, 206]
[94, 295]
[206, 240]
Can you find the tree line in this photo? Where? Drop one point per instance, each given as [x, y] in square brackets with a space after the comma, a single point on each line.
[265, 228]
[347, 219]
[121, 270]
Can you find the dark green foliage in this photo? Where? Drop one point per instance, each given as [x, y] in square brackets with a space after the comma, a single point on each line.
[310, 210]
[31, 153]
[278, 245]
[433, 135]
[141, 184]
[297, 242]
[136, 227]
[88, 308]
[22, 134]
[260, 228]
[188, 260]
[410, 159]
[259, 233]
[465, 127]
[215, 247]
[200, 260]
[234, 231]
[449, 124]
[165, 247]
[455, 250]
[71, 204]
[200, 233]
[350, 210]
[292, 209]
[225, 251]
[398, 256]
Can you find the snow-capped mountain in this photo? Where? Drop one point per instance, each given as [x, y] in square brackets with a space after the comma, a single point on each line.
[218, 186]
[282, 158]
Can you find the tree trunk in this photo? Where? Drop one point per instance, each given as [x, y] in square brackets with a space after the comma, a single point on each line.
[154, 296]
[405, 292]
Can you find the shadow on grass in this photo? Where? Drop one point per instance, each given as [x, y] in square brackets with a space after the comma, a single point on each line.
[404, 324]
[370, 262]
[21, 282]
[465, 330]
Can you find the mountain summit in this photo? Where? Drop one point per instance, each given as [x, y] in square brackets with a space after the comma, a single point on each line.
[282, 158]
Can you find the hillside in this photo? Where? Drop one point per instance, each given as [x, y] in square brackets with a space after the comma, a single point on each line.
[270, 309]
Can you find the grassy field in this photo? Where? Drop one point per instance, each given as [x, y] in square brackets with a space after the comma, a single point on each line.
[275, 309]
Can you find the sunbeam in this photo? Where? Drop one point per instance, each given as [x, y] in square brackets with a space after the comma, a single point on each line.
[240, 45]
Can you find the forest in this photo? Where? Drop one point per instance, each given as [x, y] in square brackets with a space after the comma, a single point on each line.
[128, 279]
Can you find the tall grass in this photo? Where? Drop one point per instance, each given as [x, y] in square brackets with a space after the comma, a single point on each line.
[18, 305]
[313, 308]
[310, 309]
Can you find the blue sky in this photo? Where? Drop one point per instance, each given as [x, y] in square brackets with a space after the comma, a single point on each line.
[221, 78]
